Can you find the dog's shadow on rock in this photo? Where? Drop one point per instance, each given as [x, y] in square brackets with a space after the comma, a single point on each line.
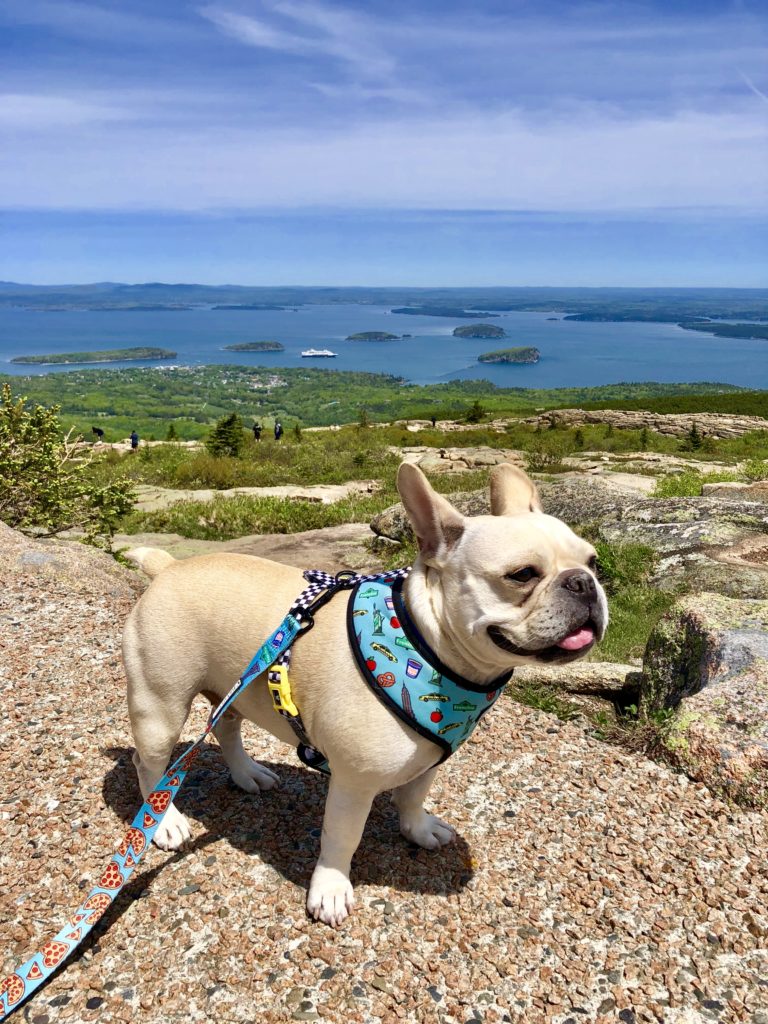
[282, 826]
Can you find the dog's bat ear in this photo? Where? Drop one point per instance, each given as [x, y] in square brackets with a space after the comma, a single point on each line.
[512, 491]
[436, 523]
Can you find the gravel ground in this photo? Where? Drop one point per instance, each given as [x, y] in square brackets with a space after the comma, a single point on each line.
[586, 885]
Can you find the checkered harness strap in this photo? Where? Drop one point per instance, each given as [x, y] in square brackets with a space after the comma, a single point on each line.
[21, 983]
[325, 584]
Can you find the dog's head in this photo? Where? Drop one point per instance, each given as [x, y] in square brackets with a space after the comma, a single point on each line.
[511, 588]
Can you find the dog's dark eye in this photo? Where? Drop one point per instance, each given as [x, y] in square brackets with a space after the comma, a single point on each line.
[522, 575]
[592, 563]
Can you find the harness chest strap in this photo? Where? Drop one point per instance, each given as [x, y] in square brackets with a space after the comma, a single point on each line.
[398, 665]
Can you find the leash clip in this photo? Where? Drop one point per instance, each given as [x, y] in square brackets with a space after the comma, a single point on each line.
[280, 690]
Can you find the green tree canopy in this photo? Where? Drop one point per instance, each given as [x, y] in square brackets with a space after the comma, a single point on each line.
[227, 437]
[43, 479]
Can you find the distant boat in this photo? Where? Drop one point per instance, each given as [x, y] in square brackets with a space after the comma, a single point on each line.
[318, 353]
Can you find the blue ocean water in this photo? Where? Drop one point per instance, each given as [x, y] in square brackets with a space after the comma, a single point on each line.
[572, 353]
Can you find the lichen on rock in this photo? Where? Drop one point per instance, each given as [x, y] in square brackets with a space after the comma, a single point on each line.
[708, 661]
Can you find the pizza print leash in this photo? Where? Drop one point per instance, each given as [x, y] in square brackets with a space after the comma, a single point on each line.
[19, 985]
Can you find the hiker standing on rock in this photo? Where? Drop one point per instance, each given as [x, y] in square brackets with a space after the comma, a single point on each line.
[134, 440]
[278, 430]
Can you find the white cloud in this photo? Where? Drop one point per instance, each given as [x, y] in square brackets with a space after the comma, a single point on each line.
[31, 112]
[503, 163]
[317, 31]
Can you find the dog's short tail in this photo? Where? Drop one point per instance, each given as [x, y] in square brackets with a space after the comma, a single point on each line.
[152, 561]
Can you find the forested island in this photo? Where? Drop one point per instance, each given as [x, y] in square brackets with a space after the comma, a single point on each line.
[752, 332]
[523, 354]
[455, 313]
[256, 346]
[373, 336]
[111, 355]
[249, 305]
[479, 331]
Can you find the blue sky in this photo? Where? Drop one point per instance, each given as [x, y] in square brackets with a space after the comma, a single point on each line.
[287, 141]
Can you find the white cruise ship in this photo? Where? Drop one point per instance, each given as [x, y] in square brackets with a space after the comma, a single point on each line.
[318, 353]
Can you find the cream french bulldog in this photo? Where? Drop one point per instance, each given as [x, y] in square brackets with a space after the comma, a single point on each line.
[486, 593]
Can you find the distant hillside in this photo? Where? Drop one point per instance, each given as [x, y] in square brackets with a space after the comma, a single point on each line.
[671, 305]
[453, 312]
[194, 398]
[751, 332]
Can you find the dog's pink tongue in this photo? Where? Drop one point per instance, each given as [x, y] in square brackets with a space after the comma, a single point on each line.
[576, 640]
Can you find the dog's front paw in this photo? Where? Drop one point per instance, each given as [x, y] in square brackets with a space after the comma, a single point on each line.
[426, 830]
[254, 777]
[173, 830]
[330, 897]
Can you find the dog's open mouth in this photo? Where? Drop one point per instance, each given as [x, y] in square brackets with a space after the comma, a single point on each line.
[574, 643]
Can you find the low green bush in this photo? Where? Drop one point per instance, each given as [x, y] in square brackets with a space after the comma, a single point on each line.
[227, 518]
[756, 469]
[635, 606]
[689, 483]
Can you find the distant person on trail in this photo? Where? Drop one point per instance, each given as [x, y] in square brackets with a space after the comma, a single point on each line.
[257, 429]
[134, 440]
[99, 433]
[278, 430]
[434, 421]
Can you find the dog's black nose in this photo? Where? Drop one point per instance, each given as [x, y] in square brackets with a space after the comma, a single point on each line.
[578, 581]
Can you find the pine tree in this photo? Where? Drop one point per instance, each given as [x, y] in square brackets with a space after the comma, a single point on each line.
[476, 412]
[695, 440]
[227, 436]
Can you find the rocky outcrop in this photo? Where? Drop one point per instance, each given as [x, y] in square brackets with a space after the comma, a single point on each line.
[738, 492]
[708, 661]
[150, 498]
[676, 424]
[601, 678]
[457, 460]
[330, 549]
[577, 499]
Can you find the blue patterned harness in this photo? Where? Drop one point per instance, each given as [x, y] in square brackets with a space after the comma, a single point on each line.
[408, 677]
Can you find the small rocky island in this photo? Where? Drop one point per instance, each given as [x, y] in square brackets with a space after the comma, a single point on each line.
[373, 336]
[256, 346]
[479, 331]
[112, 355]
[522, 354]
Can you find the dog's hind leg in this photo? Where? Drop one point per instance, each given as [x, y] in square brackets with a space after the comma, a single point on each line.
[246, 773]
[155, 735]
[415, 823]
[158, 706]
